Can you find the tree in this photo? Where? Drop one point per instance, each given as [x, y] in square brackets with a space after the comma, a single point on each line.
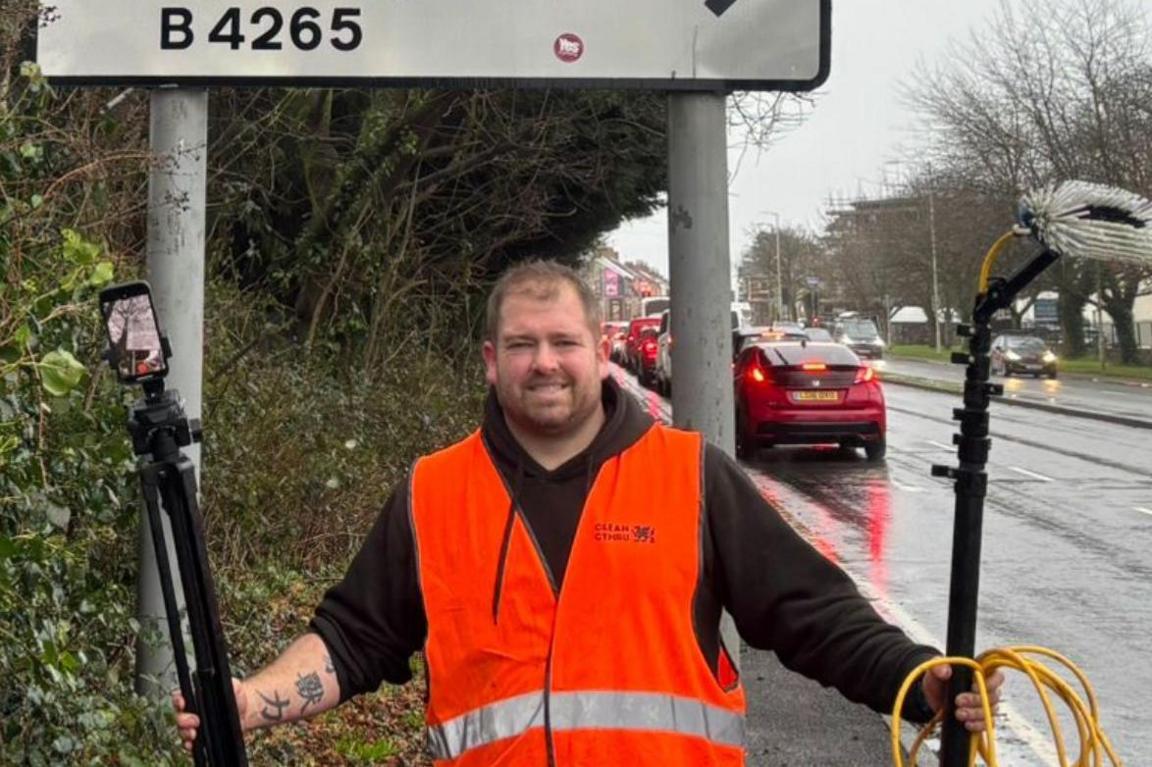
[1052, 92]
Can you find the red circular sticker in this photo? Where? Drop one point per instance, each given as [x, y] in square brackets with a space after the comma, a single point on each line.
[568, 47]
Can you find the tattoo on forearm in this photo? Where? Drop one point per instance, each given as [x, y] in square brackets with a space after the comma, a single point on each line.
[328, 664]
[310, 688]
[274, 711]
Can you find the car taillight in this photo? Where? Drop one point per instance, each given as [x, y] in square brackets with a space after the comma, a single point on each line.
[757, 374]
[650, 346]
[813, 367]
[864, 375]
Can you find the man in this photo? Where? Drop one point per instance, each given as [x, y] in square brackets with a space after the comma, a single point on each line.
[564, 569]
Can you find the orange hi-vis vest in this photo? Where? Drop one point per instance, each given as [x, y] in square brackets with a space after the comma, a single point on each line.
[607, 672]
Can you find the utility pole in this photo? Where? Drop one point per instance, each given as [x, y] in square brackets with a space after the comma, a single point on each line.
[932, 237]
[700, 274]
[779, 280]
[1100, 356]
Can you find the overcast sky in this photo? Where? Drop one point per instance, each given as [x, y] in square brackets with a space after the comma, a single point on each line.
[858, 123]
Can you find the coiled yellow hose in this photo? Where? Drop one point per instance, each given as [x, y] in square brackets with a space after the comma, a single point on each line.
[1094, 744]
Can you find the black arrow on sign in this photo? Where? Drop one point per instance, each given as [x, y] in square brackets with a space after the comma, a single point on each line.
[719, 6]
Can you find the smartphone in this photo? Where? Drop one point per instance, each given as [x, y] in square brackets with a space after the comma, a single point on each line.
[135, 347]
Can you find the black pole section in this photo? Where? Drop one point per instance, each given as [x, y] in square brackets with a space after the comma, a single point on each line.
[971, 486]
[150, 483]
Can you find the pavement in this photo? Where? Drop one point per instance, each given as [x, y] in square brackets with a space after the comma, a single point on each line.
[794, 722]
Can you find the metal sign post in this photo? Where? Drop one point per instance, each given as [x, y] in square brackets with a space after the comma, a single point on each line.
[178, 138]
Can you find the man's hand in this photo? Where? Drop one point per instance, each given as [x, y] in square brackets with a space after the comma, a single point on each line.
[968, 709]
[188, 724]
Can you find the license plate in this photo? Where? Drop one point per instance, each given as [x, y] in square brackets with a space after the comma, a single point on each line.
[816, 396]
[1031, 367]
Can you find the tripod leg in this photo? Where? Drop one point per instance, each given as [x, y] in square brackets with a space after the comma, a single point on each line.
[225, 739]
[148, 478]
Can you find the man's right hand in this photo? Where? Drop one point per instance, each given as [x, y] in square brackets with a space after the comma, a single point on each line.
[188, 724]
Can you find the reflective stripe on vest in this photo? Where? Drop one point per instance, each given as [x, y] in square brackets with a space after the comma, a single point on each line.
[586, 710]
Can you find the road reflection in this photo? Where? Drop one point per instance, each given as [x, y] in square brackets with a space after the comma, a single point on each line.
[879, 517]
[841, 502]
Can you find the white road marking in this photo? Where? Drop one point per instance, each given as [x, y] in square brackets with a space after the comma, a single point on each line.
[1143, 510]
[906, 488]
[941, 445]
[1032, 474]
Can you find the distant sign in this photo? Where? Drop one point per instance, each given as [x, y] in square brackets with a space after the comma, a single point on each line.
[611, 284]
[665, 44]
[1046, 310]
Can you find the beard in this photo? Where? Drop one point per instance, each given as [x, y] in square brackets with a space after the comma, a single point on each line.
[548, 406]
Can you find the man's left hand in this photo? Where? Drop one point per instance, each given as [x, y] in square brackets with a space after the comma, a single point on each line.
[967, 709]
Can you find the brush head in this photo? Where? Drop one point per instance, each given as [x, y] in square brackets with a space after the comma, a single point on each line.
[1078, 218]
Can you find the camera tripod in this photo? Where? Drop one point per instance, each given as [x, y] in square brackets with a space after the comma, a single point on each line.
[159, 429]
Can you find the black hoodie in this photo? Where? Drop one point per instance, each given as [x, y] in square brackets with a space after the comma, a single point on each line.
[783, 595]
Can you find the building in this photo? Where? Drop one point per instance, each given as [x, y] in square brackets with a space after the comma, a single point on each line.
[621, 286]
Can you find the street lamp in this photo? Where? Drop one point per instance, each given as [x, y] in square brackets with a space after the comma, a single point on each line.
[932, 237]
[779, 281]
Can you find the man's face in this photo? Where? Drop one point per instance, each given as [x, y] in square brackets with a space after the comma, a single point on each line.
[546, 365]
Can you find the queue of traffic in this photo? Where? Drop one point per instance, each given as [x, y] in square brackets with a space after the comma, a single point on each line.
[792, 385]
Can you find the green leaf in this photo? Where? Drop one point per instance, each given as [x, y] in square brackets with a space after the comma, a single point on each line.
[60, 372]
[78, 250]
[102, 274]
[8, 548]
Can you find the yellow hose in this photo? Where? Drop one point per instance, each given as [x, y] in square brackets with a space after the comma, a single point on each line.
[990, 258]
[1094, 744]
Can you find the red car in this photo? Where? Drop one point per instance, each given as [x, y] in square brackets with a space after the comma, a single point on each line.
[801, 393]
[632, 347]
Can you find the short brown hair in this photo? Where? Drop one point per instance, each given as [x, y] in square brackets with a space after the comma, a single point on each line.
[540, 279]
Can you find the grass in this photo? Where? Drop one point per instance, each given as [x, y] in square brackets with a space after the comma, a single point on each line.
[1077, 366]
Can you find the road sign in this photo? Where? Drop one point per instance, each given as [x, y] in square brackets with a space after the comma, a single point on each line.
[657, 44]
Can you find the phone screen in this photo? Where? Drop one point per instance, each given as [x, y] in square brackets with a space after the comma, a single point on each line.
[134, 336]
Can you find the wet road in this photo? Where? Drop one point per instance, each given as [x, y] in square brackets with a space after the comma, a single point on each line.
[1127, 400]
[1067, 560]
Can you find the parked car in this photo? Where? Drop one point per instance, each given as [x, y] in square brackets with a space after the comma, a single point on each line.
[801, 393]
[743, 337]
[646, 350]
[662, 375]
[860, 335]
[818, 334]
[615, 332]
[1013, 353]
[632, 340]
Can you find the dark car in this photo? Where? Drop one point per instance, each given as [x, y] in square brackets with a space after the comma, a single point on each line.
[801, 393]
[1022, 354]
[860, 335]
